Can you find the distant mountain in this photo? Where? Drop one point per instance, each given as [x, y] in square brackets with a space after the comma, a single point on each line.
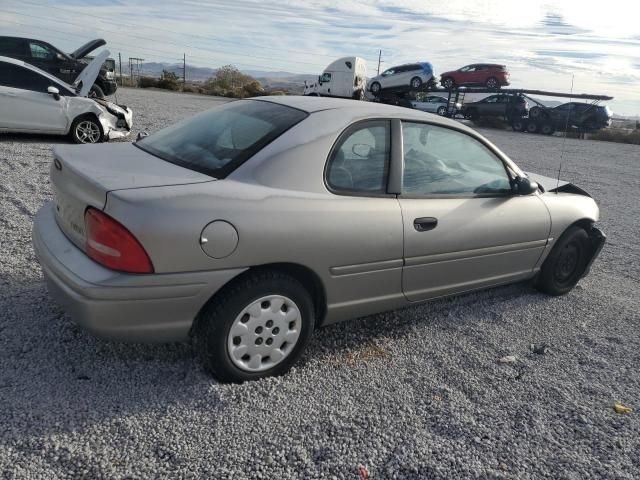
[194, 74]
[273, 80]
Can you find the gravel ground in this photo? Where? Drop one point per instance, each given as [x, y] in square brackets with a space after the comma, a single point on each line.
[417, 393]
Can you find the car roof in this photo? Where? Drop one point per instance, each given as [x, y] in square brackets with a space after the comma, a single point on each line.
[356, 109]
[35, 69]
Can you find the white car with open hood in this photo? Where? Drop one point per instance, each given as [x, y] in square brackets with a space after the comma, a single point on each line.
[33, 101]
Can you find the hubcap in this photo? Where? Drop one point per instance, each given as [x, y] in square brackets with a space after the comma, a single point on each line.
[416, 83]
[264, 333]
[567, 263]
[491, 83]
[88, 132]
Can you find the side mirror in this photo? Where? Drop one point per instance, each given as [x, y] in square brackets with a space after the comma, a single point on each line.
[524, 186]
[53, 91]
[141, 135]
[60, 57]
[361, 150]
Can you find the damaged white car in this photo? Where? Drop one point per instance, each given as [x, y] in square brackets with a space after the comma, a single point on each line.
[33, 101]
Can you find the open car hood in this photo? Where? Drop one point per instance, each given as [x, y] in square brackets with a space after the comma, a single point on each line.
[87, 48]
[550, 184]
[88, 75]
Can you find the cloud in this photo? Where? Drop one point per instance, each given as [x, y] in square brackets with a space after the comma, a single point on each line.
[543, 44]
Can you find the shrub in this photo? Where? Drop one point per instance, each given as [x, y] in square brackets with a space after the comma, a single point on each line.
[231, 82]
[147, 82]
[617, 135]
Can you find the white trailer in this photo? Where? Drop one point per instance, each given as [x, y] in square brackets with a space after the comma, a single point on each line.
[345, 78]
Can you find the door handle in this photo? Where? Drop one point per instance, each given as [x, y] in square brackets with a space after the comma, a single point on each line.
[424, 224]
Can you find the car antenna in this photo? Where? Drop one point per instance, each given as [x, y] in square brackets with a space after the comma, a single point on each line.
[566, 129]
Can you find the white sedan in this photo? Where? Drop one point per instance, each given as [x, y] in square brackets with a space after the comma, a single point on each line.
[33, 101]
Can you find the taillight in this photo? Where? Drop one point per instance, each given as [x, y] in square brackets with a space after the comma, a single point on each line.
[112, 245]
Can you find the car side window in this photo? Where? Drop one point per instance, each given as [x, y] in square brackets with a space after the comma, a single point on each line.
[491, 99]
[386, 73]
[11, 47]
[359, 162]
[442, 161]
[40, 51]
[15, 76]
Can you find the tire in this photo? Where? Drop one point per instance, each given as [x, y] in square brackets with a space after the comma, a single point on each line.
[224, 327]
[375, 87]
[86, 129]
[358, 95]
[532, 127]
[448, 83]
[566, 263]
[547, 129]
[536, 112]
[471, 114]
[416, 82]
[96, 91]
[492, 83]
[518, 125]
[442, 111]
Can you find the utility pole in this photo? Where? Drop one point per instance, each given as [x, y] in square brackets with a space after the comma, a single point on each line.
[120, 63]
[184, 70]
[379, 61]
[137, 61]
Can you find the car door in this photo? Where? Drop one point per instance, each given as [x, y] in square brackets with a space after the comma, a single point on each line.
[491, 106]
[397, 79]
[366, 272]
[25, 103]
[464, 228]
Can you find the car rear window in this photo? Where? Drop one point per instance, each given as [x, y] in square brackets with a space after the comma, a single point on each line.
[217, 141]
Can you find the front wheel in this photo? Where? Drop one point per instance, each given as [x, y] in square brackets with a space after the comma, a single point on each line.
[375, 87]
[86, 129]
[442, 111]
[416, 82]
[257, 327]
[566, 263]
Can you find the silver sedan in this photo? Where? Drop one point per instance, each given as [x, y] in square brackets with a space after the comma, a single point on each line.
[252, 224]
[435, 104]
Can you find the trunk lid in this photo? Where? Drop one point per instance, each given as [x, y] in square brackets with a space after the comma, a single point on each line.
[87, 48]
[83, 175]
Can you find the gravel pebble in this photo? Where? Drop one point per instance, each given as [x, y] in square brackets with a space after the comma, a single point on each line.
[435, 405]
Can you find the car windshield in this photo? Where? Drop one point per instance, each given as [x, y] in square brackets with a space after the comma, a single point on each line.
[217, 141]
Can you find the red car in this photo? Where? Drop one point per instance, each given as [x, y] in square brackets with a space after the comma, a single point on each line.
[479, 74]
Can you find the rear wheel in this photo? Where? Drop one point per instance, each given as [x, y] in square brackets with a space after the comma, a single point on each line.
[492, 83]
[547, 129]
[375, 87]
[566, 263]
[442, 111]
[536, 112]
[86, 129]
[256, 327]
[532, 127]
[518, 125]
[448, 83]
[415, 82]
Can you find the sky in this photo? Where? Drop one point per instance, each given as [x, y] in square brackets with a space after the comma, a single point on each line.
[545, 44]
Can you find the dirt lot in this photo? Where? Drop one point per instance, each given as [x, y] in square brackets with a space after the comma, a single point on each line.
[416, 393]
